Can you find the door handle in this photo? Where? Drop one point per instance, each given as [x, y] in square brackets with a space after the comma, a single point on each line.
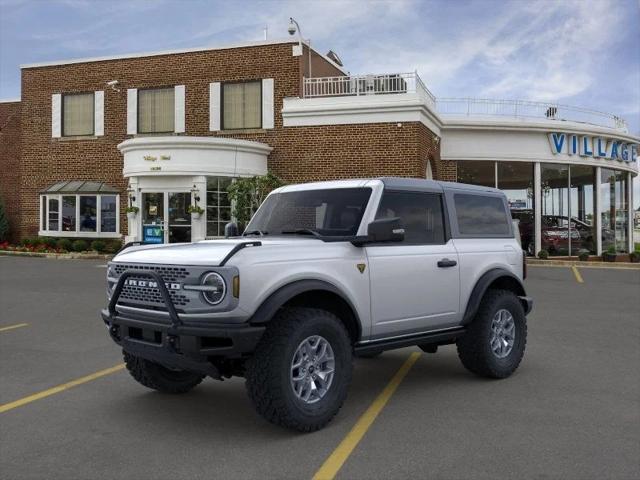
[446, 263]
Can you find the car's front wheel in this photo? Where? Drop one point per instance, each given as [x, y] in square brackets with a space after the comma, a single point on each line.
[494, 343]
[300, 372]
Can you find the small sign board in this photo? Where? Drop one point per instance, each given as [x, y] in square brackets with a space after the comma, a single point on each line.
[152, 234]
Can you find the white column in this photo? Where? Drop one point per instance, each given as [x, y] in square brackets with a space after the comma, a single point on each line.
[630, 211]
[597, 197]
[56, 115]
[214, 106]
[199, 226]
[179, 108]
[132, 111]
[268, 110]
[537, 194]
[134, 225]
[98, 112]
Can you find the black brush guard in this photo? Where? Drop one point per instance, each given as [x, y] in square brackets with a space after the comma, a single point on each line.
[182, 346]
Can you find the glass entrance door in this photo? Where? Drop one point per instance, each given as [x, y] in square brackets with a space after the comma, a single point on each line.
[179, 218]
[165, 218]
[153, 228]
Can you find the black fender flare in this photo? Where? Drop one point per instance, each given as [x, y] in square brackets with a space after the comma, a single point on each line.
[483, 284]
[282, 295]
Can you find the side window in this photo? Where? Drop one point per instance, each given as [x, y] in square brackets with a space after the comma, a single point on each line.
[481, 215]
[420, 214]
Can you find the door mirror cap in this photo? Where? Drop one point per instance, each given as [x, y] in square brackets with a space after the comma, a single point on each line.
[384, 230]
[230, 230]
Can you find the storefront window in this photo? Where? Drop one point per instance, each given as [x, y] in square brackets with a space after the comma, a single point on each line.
[218, 205]
[108, 213]
[615, 210]
[555, 209]
[53, 213]
[477, 172]
[582, 207]
[77, 215]
[69, 213]
[88, 214]
[515, 179]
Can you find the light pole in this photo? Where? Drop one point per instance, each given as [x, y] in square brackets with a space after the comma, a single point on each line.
[293, 27]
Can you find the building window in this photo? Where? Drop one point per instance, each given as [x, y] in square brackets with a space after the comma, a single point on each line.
[554, 181]
[80, 215]
[515, 179]
[615, 210]
[156, 110]
[477, 172]
[78, 114]
[242, 105]
[218, 205]
[582, 207]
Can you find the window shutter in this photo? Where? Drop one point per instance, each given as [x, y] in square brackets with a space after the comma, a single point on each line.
[56, 115]
[179, 100]
[214, 106]
[98, 111]
[132, 111]
[268, 110]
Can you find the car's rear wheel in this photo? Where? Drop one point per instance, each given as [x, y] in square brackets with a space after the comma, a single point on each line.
[157, 377]
[300, 372]
[494, 343]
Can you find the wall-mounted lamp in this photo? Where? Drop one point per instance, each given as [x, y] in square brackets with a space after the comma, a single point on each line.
[195, 192]
[132, 197]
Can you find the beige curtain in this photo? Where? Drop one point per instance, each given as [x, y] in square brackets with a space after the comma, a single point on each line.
[241, 105]
[77, 114]
[156, 110]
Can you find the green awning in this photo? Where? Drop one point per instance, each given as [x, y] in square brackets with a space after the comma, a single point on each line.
[80, 186]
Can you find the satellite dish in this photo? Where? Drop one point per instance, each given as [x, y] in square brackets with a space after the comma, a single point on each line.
[334, 57]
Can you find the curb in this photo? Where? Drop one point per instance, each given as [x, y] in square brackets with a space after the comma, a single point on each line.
[569, 263]
[58, 256]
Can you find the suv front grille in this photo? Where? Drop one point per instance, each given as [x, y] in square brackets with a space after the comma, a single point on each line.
[148, 296]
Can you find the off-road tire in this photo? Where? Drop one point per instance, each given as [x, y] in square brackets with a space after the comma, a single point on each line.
[474, 347]
[268, 380]
[157, 377]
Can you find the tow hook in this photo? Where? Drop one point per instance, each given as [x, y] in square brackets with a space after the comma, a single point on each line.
[173, 342]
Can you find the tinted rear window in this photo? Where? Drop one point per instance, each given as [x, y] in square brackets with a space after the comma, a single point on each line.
[420, 215]
[481, 215]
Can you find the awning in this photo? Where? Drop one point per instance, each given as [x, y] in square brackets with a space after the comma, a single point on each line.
[80, 186]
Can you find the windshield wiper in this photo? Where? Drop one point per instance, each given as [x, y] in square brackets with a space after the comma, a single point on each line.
[254, 232]
[302, 231]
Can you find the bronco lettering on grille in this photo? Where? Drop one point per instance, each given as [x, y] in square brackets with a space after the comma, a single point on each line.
[150, 284]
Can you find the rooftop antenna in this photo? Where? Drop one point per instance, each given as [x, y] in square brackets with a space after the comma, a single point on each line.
[266, 31]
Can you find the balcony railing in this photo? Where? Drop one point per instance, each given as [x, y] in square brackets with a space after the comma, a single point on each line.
[527, 109]
[357, 85]
[399, 83]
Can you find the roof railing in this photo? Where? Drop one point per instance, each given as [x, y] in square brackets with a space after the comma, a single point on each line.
[403, 83]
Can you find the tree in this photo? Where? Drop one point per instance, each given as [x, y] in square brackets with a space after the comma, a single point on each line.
[4, 223]
[247, 194]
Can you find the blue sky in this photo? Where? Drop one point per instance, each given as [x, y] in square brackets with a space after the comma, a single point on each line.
[578, 52]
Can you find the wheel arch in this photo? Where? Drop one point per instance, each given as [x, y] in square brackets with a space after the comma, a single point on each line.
[496, 278]
[313, 294]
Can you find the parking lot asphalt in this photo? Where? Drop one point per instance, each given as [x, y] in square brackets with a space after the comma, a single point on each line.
[571, 411]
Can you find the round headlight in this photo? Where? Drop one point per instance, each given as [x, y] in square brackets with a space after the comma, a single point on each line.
[215, 288]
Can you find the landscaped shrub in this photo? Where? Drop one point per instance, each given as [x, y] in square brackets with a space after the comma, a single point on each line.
[29, 242]
[49, 242]
[65, 244]
[543, 254]
[113, 246]
[4, 224]
[80, 246]
[583, 255]
[98, 245]
[635, 256]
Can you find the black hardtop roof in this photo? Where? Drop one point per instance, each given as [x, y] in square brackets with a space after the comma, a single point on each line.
[422, 185]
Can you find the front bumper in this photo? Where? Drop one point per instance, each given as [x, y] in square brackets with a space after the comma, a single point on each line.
[190, 346]
[527, 304]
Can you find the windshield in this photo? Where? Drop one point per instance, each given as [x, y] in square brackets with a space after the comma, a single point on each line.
[335, 212]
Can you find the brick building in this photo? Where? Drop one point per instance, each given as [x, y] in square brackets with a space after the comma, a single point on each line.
[162, 131]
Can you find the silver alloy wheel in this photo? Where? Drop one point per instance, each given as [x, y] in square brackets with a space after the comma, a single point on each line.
[503, 333]
[312, 369]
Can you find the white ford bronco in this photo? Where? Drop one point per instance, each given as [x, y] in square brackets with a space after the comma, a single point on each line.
[325, 272]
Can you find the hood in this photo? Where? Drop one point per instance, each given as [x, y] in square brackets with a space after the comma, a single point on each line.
[208, 252]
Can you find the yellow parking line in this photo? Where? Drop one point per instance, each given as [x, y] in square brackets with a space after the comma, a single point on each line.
[11, 327]
[333, 464]
[60, 388]
[576, 274]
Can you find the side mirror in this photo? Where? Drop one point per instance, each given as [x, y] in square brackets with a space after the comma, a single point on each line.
[230, 230]
[386, 230]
